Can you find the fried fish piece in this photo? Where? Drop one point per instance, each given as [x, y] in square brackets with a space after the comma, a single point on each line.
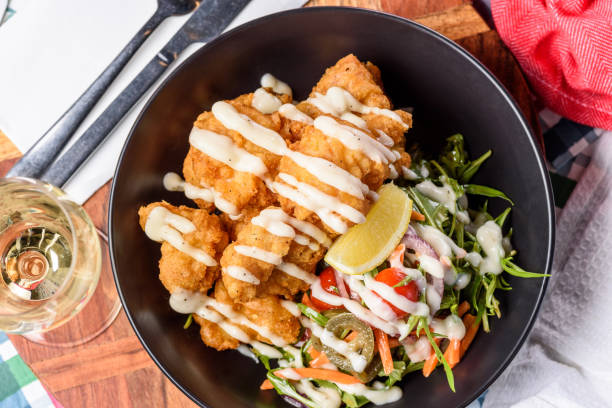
[250, 270]
[178, 269]
[242, 190]
[266, 312]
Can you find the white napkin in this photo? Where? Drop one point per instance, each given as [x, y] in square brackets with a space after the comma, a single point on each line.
[51, 51]
[566, 361]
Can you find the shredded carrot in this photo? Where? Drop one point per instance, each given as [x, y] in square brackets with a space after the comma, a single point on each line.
[463, 308]
[417, 216]
[306, 300]
[351, 336]
[314, 353]
[319, 361]
[382, 344]
[452, 353]
[393, 342]
[398, 254]
[322, 374]
[266, 385]
[431, 362]
[470, 332]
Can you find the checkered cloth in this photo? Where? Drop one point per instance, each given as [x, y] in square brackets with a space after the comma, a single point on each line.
[19, 387]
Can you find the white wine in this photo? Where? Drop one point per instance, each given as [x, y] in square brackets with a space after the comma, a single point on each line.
[49, 256]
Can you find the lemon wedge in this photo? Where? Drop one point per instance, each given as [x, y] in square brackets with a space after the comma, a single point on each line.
[367, 245]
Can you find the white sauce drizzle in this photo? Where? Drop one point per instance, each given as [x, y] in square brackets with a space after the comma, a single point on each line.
[223, 149]
[431, 265]
[297, 272]
[291, 307]
[277, 86]
[324, 397]
[409, 174]
[445, 196]
[489, 237]
[163, 225]
[384, 138]
[265, 102]
[337, 101]
[245, 351]
[440, 242]
[393, 172]
[378, 395]
[358, 361]
[474, 258]
[289, 111]
[277, 222]
[355, 139]
[418, 350]
[390, 295]
[266, 350]
[174, 182]
[240, 273]
[259, 254]
[184, 301]
[451, 326]
[463, 279]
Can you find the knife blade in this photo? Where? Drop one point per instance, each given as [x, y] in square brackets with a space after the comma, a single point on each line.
[207, 21]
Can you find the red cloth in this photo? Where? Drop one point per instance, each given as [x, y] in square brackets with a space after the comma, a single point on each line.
[565, 49]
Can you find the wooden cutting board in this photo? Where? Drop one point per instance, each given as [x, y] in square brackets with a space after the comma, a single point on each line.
[114, 370]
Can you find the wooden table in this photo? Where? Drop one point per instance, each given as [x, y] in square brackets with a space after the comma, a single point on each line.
[114, 370]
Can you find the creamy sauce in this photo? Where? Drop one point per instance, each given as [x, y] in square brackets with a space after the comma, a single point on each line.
[184, 301]
[249, 129]
[259, 254]
[338, 101]
[324, 397]
[163, 225]
[440, 242]
[265, 102]
[291, 307]
[451, 326]
[266, 350]
[377, 394]
[318, 202]
[223, 149]
[174, 182]
[393, 174]
[240, 273]
[355, 139]
[489, 237]
[409, 174]
[289, 111]
[276, 85]
[297, 272]
[463, 279]
[384, 138]
[432, 266]
[418, 350]
[279, 223]
[354, 119]
[474, 258]
[358, 362]
[390, 295]
[245, 351]
[303, 240]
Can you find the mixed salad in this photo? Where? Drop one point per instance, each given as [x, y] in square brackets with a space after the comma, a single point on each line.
[418, 309]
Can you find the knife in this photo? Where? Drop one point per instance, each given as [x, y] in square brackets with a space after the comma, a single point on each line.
[208, 21]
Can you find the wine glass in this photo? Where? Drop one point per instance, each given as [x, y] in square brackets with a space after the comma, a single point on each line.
[51, 259]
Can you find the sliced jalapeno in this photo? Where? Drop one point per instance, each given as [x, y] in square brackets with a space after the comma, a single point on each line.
[362, 343]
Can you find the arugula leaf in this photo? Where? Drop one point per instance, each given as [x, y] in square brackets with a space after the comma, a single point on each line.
[265, 360]
[424, 206]
[501, 218]
[403, 282]
[396, 375]
[313, 314]
[515, 270]
[468, 172]
[354, 401]
[414, 367]
[449, 372]
[305, 354]
[284, 387]
[188, 322]
[485, 191]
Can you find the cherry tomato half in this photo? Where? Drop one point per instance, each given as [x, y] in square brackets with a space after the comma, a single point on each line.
[329, 284]
[393, 276]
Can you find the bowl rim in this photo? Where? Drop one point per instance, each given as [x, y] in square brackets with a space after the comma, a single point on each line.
[414, 25]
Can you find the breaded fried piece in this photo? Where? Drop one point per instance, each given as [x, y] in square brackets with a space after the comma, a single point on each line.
[286, 285]
[251, 236]
[243, 190]
[266, 312]
[315, 143]
[179, 270]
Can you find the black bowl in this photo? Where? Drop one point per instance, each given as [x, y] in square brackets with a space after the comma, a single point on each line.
[450, 92]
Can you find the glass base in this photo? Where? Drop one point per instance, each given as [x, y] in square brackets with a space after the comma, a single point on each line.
[97, 315]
